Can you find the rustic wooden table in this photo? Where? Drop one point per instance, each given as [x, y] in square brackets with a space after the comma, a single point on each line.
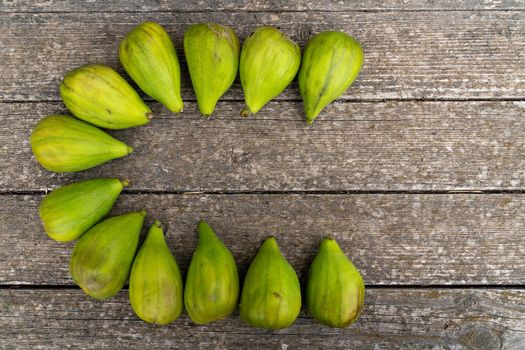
[418, 171]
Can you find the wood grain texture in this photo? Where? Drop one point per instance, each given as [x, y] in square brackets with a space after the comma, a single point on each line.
[353, 146]
[372, 141]
[251, 5]
[392, 319]
[393, 239]
[408, 55]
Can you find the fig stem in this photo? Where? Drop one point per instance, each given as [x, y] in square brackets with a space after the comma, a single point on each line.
[245, 112]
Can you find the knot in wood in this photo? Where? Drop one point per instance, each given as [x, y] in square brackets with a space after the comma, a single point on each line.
[481, 338]
[465, 302]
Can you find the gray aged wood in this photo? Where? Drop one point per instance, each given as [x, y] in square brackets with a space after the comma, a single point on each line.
[353, 146]
[251, 5]
[393, 239]
[408, 55]
[453, 52]
[392, 319]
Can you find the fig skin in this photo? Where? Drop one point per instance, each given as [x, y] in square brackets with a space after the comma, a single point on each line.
[331, 63]
[98, 95]
[64, 144]
[335, 290]
[271, 295]
[212, 284]
[155, 282]
[212, 53]
[150, 59]
[102, 257]
[71, 210]
[269, 62]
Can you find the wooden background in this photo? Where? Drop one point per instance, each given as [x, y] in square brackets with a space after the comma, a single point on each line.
[418, 171]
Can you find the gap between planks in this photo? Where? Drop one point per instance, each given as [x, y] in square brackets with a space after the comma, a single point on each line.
[146, 98]
[288, 192]
[367, 286]
[377, 10]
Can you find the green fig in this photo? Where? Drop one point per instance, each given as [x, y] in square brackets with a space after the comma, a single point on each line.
[155, 282]
[149, 57]
[271, 295]
[102, 257]
[269, 62]
[335, 291]
[98, 95]
[212, 54]
[212, 284]
[64, 144]
[331, 62]
[71, 210]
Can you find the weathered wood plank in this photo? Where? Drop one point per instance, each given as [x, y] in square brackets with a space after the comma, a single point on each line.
[353, 146]
[393, 239]
[392, 319]
[250, 5]
[408, 55]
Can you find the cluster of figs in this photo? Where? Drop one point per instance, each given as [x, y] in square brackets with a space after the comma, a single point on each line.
[105, 254]
[267, 63]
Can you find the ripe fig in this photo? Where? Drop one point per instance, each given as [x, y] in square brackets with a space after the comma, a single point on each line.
[269, 62]
[155, 283]
[212, 284]
[212, 54]
[102, 257]
[98, 95]
[271, 295]
[64, 144]
[331, 62]
[149, 57]
[71, 210]
[335, 292]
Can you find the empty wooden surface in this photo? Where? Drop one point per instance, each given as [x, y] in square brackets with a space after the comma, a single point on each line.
[418, 171]
[253, 5]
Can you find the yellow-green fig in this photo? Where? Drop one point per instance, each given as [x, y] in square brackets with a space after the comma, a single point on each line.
[71, 210]
[64, 144]
[331, 62]
[271, 295]
[149, 57]
[98, 95]
[335, 291]
[269, 62]
[102, 257]
[212, 54]
[155, 282]
[212, 284]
